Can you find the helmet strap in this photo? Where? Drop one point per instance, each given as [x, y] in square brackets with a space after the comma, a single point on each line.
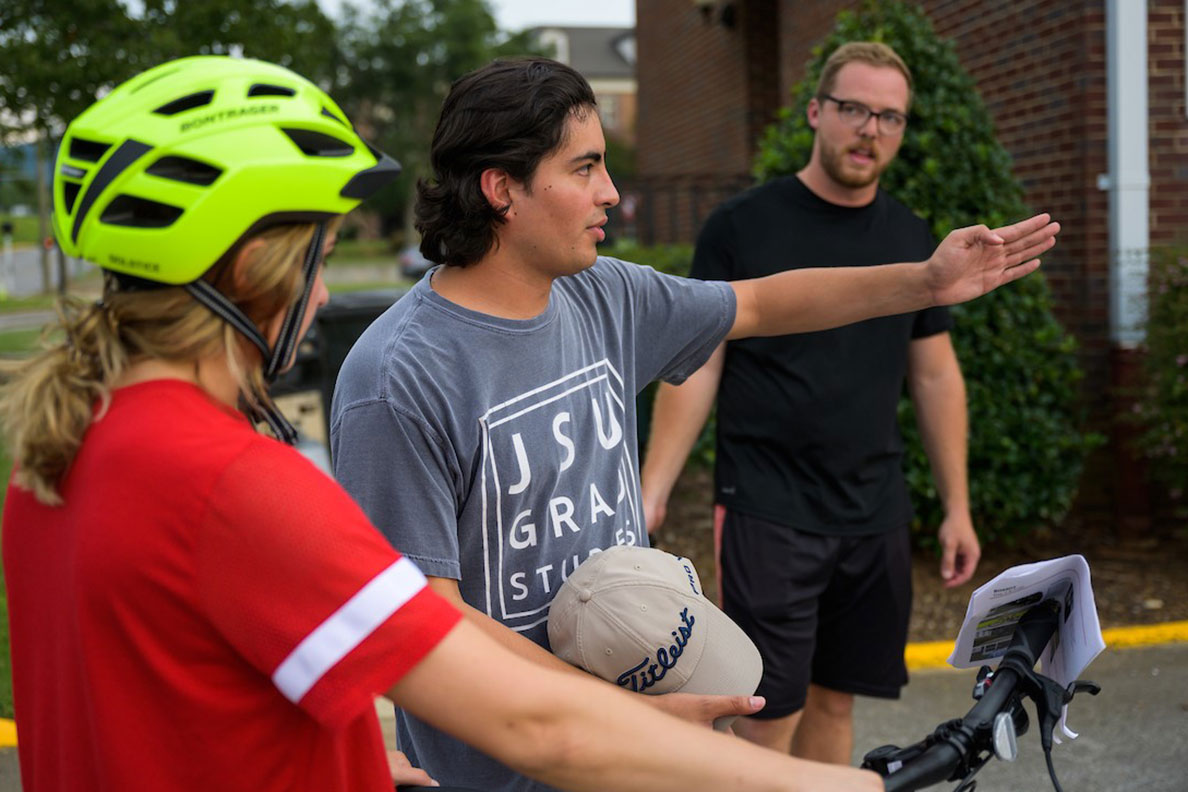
[288, 339]
[286, 342]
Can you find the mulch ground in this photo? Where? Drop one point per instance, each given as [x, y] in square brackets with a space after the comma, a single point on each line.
[1139, 580]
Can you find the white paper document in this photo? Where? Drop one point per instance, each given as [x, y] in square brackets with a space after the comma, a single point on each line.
[996, 607]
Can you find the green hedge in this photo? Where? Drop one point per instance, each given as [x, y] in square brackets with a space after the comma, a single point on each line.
[1027, 441]
[672, 259]
[1163, 404]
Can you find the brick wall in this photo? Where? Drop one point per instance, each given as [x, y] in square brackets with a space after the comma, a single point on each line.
[802, 25]
[706, 92]
[1045, 87]
[1168, 123]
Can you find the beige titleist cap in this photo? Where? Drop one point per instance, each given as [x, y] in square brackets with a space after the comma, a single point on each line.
[636, 616]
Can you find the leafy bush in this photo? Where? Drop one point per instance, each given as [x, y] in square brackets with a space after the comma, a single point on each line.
[1163, 406]
[1027, 445]
[671, 259]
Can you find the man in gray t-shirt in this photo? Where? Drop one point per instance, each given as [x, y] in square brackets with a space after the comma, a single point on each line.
[501, 453]
[486, 422]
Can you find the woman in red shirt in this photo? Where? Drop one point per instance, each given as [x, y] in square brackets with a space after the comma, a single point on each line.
[193, 605]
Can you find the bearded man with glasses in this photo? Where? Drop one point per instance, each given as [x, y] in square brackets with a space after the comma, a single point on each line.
[812, 510]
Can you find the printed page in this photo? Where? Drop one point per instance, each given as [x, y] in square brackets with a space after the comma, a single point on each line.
[996, 607]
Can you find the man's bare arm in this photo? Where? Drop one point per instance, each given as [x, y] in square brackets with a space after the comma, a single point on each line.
[938, 392]
[678, 415]
[968, 263]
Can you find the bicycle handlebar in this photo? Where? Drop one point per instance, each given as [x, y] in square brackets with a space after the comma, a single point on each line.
[943, 759]
[954, 750]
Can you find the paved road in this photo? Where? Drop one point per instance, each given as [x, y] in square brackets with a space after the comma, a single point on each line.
[1132, 735]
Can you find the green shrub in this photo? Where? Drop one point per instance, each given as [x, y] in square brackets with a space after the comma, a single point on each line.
[1163, 405]
[672, 259]
[1027, 443]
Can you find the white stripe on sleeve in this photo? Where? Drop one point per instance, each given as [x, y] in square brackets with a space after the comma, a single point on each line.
[346, 628]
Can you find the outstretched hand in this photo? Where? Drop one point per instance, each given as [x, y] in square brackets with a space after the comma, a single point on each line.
[972, 261]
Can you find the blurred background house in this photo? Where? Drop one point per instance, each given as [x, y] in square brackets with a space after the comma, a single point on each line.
[605, 56]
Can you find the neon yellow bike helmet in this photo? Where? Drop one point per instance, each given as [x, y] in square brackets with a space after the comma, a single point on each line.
[164, 176]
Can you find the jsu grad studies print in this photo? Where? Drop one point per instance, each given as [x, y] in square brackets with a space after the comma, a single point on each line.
[558, 485]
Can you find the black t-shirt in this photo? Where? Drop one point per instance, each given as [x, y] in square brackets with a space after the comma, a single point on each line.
[807, 426]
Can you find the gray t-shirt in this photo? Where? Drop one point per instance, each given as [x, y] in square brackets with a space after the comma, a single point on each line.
[502, 453]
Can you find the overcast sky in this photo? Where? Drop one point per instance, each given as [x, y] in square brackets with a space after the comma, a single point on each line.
[519, 14]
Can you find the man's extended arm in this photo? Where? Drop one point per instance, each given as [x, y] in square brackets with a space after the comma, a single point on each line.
[968, 263]
[678, 415]
[938, 392]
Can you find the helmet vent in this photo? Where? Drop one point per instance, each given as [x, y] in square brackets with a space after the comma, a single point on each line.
[70, 192]
[185, 103]
[128, 210]
[89, 150]
[263, 89]
[317, 144]
[184, 169]
[326, 112]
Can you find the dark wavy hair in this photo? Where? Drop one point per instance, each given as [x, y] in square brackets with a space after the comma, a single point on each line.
[509, 114]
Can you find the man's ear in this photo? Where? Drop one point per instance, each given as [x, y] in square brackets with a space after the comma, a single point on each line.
[813, 112]
[496, 185]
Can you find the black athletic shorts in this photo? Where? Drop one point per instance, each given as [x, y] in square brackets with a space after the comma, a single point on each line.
[832, 610]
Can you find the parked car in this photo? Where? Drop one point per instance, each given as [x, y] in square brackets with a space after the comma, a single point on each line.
[412, 264]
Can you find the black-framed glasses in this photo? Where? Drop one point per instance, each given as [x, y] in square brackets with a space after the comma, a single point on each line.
[856, 114]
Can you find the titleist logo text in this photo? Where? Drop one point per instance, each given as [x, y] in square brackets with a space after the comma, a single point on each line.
[651, 670]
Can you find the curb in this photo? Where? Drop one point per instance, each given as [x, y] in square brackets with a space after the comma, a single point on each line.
[923, 656]
[935, 654]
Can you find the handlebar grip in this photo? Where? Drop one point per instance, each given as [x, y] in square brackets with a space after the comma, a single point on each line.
[935, 765]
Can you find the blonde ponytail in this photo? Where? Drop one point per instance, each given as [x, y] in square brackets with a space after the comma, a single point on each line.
[50, 401]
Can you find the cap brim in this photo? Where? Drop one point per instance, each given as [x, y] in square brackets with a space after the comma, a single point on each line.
[730, 664]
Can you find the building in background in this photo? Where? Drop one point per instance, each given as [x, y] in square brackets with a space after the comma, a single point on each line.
[605, 56]
[1098, 139]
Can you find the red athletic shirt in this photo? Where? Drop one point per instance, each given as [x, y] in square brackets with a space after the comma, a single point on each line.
[207, 611]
